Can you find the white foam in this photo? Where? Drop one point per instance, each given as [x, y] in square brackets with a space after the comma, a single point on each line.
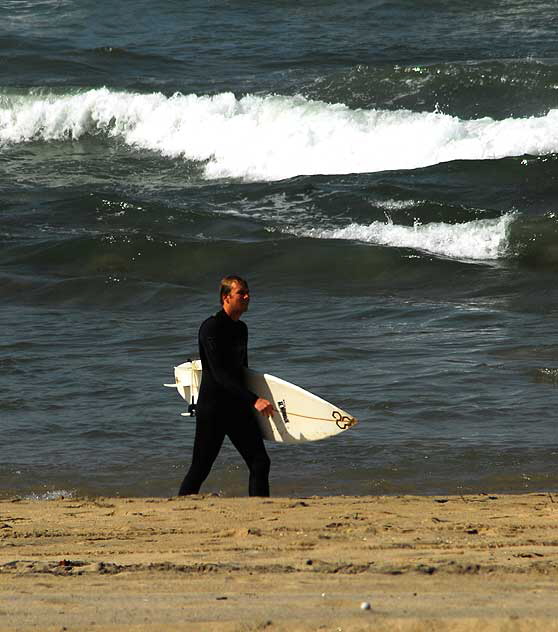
[273, 137]
[55, 494]
[478, 240]
[397, 205]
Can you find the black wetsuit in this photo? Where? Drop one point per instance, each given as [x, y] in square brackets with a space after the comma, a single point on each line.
[225, 406]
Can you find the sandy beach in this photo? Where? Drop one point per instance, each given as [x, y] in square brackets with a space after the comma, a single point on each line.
[210, 563]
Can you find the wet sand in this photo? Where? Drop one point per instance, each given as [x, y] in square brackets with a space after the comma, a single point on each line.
[207, 563]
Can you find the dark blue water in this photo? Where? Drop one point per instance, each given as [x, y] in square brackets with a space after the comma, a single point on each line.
[384, 176]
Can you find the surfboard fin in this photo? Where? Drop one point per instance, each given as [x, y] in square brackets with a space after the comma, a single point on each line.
[192, 408]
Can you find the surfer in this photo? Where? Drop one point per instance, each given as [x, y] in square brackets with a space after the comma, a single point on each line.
[225, 406]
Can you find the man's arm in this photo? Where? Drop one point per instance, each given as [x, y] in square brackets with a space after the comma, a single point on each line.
[262, 405]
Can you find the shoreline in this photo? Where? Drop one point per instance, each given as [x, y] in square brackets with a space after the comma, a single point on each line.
[212, 563]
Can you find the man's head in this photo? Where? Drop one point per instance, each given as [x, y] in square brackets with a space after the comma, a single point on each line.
[234, 295]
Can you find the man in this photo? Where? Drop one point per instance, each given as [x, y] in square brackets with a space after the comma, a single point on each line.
[225, 406]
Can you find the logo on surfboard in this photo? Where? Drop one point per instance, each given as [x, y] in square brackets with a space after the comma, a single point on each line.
[283, 410]
[343, 422]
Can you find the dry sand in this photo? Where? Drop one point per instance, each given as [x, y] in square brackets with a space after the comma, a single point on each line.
[207, 563]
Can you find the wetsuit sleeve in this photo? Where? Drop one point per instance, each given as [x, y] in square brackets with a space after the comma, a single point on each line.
[245, 358]
[225, 375]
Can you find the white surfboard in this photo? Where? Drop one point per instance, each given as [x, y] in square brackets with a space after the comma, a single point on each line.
[298, 415]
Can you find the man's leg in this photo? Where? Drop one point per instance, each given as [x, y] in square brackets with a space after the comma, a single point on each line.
[246, 437]
[207, 443]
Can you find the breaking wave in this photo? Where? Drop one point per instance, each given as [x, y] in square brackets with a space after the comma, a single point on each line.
[478, 240]
[272, 137]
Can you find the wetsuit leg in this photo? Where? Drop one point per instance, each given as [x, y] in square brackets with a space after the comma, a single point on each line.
[207, 443]
[247, 439]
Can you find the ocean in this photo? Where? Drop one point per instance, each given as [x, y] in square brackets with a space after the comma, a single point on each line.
[384, 174]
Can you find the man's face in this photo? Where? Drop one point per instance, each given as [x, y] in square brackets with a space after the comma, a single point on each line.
[238, 299]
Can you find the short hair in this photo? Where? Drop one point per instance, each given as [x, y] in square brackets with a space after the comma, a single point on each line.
[227, 284]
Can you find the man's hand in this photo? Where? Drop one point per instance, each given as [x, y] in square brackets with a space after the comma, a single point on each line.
[263, 406]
